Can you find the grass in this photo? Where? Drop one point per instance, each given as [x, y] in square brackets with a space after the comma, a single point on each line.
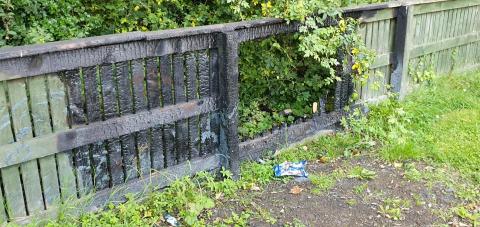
[392, 208]
[438, 125]
[443, 125]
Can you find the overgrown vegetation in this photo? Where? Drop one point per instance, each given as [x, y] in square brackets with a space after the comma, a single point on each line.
[440, 122]
[278, 75]
[407, 132]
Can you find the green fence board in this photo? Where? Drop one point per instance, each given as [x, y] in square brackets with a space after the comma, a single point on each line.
[58, 109]
[41, 122]
[23, 130]
[379, 15]
[444, 5]
[5, 137]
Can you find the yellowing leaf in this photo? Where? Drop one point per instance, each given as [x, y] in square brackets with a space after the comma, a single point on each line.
[296, 190]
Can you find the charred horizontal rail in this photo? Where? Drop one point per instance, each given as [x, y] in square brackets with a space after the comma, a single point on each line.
[42, 146]
[283, 137]
[138, 187]
[33, 60]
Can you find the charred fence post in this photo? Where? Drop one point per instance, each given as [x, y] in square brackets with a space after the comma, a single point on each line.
[403, 44]
[344, 87]
[228, 100]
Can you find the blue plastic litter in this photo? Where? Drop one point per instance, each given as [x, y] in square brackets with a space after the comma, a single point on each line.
[171, 220]
[291, 169]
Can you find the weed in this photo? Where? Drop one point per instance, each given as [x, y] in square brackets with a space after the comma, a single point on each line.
[439, 124]
[263, 214]
[295, 223]
[466, 214]
[253, 172]
[360, 189]
[418, 200]
[351, 202]
[361, 173]
[330, 147]
[322, 182]
[411, 173]
[392, 208]
[237, 220]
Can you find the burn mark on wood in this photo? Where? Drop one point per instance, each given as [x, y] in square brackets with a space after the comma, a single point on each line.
[192, 94]
[154, 96]
[126, 107]
[204, 91]
[181, 127]
[110, 110]
[167, 94]
[77, 117]
[140, 104]
[98, 150]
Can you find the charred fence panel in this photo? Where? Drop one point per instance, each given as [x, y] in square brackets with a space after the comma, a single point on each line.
[92, 119]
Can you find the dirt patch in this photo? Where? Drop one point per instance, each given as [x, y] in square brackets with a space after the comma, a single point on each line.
[387, 200]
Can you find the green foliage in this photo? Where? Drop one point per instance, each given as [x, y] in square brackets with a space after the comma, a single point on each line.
[256, 173]
[411, 173]
[323, 148]
[385, 123]
[322, 183]
[392, 208]
[288, 72]
[361, 173]
[292, 72]
[421, 70]
[465, 213]
[440, 122]
[237, 220]
[360, 189]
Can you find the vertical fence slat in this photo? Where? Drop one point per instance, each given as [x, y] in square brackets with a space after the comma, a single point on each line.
[181, 127]
[167, 94]
[214, 91]
[383, 33]
[58, 109]
[110, 110]
[23, 130]
[453, 32]
[41, 123]
[428, 28]
[126, 107]
[140, 104]
[153, 89]
[192, 94]
[204, 91]
[367, 90]
[78, 117]
[360, 86]
[441, 28]
[98, 149]
[13, 203]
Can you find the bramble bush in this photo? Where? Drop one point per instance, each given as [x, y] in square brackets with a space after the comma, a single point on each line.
[276, 74]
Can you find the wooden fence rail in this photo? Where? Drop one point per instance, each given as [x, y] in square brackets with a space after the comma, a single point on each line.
[88, 120]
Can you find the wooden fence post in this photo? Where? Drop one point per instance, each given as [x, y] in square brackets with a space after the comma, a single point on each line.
[344, 88]
[229, 99]
[403, 44]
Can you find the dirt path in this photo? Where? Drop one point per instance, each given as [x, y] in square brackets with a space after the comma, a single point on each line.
[387, 200]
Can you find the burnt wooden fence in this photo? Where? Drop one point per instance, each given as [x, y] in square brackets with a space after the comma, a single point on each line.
[86, 121]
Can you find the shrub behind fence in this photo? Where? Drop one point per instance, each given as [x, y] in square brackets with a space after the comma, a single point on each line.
[92, 119]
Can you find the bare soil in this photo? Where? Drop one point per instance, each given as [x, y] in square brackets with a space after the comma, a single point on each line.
[342, 205]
